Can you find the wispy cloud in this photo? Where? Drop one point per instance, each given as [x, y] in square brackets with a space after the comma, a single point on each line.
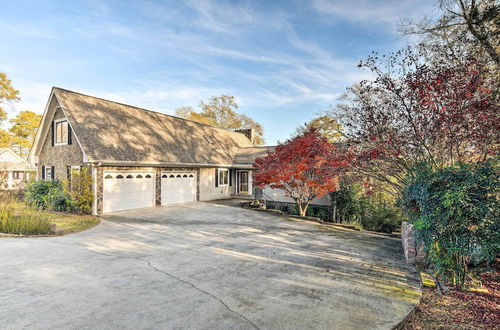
[373, 12]
[25, 30]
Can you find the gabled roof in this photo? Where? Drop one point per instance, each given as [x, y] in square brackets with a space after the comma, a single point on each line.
[14, 161]
[111, 132]
[247, 156]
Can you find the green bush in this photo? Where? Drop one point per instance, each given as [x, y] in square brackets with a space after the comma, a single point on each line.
[47, 195]
[31, 224]
[347, 203]
[456, 214]
[58, 200]
[381, 218]
[80, 191]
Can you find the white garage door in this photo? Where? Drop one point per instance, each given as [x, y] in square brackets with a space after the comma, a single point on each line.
[178, 187]
[128, 190]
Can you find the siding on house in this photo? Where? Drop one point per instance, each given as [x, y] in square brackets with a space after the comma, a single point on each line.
[208, 190]
[59, 156]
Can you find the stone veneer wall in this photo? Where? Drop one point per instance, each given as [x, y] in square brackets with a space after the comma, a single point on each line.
[59, 156]
[414, 253]
[157, 170]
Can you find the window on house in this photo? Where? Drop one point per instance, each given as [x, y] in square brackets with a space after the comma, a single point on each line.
[16, 175]
[48, 173]
[61, 132]
[208, 139]
[223, 177]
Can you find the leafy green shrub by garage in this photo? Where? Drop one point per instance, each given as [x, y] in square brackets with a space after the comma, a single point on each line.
[27, 224]
[80, 190]
[47, 195]
[456, 214]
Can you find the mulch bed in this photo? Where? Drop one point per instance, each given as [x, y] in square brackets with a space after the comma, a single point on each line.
[460, 309]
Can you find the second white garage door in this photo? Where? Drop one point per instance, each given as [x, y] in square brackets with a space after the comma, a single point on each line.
[127, 190]
[178, 187]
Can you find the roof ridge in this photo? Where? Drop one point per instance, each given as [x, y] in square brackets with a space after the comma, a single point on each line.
[143, 109]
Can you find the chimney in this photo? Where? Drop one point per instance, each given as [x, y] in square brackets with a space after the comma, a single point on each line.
[248, 132]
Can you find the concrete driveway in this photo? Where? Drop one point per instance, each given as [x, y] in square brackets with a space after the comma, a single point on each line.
[204, 266]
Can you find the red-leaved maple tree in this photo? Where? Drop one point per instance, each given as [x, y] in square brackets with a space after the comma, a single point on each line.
[305, 167]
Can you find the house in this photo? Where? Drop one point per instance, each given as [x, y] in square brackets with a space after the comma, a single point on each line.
[14, 170]
[140, 158]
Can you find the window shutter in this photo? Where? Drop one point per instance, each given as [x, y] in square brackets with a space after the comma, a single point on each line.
[230, 177]
[68, 172]
[216, 177]
[52, 133]
[43, 172]
[70, 134]
[53, 172]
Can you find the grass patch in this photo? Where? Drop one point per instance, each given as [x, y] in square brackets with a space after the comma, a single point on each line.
[19, 219]
[72, 223]
[11, 222]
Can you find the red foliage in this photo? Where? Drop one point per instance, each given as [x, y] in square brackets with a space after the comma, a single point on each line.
[305, 167]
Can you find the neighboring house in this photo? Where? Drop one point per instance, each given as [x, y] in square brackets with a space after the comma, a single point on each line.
[140, 158]
[14, 170]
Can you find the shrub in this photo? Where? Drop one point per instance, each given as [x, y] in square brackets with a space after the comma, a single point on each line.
[48, 195]
[381, 218]
[30, 224]
[58, 200]
[80, 191]
[346, 203]
[456, 214]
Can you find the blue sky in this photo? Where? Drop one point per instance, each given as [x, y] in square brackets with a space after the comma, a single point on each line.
[283, 60]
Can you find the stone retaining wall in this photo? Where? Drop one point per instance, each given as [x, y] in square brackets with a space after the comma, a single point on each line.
[413, 253]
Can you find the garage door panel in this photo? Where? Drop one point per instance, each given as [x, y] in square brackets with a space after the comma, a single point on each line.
[178, 187]
[127, 190]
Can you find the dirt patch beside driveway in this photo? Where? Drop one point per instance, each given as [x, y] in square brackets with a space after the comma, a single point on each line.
[205, 266]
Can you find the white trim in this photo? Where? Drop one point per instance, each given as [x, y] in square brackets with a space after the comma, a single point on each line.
[41, 129]
[57, 121]
[94, 179]
[238, 182]
[219, 171]
[44, 129]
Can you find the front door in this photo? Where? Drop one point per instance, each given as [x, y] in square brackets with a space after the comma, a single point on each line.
[243, 182]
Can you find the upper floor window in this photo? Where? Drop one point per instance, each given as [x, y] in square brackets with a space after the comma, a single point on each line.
[61, 132]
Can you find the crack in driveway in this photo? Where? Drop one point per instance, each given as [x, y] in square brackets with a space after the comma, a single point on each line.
[178, 279]
[199, 289]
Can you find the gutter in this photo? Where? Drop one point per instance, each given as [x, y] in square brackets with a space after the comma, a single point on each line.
[167, 164]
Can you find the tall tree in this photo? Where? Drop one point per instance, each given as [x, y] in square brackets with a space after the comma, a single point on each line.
[183, 111]
[24, 127]
[220, 111]
[325, 124]
[305, 167]
[464, 27]
[6, 139]
[7, 93]
[413, 112]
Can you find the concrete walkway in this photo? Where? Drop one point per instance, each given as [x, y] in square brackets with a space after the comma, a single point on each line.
[204, 266]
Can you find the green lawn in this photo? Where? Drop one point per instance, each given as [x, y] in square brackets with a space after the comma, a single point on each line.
[72, 223]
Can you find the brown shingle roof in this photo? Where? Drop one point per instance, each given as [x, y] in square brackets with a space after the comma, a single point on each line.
[248, 155]
[110, 131]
